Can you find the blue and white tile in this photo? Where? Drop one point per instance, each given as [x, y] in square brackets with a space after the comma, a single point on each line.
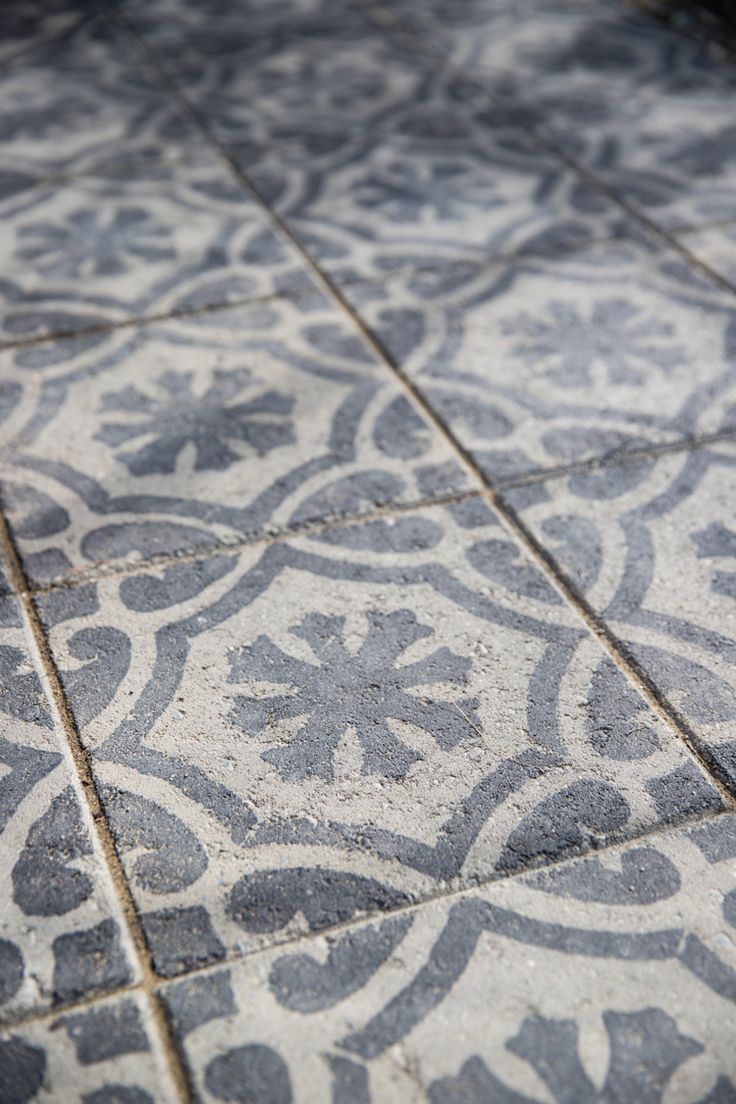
[651, 546]
[103, 1053]
[606, 978]
[198, 432]
[61, 934]
[543, 362]
[338, 725]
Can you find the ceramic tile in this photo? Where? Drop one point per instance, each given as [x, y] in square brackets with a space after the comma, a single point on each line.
[196, 432]
[650, 544]
[341, 724]
[61, 936]
[608, 978]
[104, 1053]
[643, 107]
[99, 251]
[543, 362]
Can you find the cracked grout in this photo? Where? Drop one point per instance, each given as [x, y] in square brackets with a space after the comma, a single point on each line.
[81, 762]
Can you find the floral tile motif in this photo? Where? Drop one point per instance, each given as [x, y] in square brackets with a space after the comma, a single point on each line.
[344, 723]
[206, 430]
[83, 100]
[440, 178]
[541, 362]
[606, 978]
[645, 108]
[651, 546]
[60, 934]
[97, 251]
[104, 1053]
[278, 73]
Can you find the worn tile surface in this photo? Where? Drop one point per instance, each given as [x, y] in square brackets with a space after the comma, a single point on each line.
[608, 978]
[106, 1053]
[61, 936]
[651, 545]
[205, 430]
[480, 729]
[645, 108]
[347, 351]
[543, 362]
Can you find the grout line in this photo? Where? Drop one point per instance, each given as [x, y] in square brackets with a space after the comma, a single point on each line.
[615, 647]
[476, 885]
[539, 555]
[391, 24]
[40, 1015]
[82, 763]
[109, 569]
[615, 459]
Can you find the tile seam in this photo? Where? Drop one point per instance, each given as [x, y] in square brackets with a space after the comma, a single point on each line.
[108, 569]
[233, 960]
[380, 15]
[81, 762]
[514, 525]
[646, 833]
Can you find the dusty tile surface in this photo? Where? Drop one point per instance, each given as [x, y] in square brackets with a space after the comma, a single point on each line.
[89, 251]
[189, 433]
[307, 309]
[608, 978]
[61, 937]
[645, 108]
[543, 362]
[479, 731]
[651, 546]
[105, 1053]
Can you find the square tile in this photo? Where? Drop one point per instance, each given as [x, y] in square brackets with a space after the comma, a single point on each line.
[442, 177]
[341, 724]
[74, 99]
[608, 978]
[642, 106]
[61, 935]
[651, 546]
[277, 73]
[97, 251]
[104, 1053]
[539, 362]
[194, 432]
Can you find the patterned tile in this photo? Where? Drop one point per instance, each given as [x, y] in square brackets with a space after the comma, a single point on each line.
[82, 100]
[608, 978]
[104, 1053]
[282, 72]
[60, 933]
[343, 723]
[209, 429]
[542, 362]
[651, 546]
[644, 107]
[441, 178]
[104, 250]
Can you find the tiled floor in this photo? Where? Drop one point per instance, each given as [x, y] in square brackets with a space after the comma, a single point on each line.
[367, 624]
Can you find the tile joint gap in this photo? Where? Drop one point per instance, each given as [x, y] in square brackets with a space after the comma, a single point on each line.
[81, 763]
